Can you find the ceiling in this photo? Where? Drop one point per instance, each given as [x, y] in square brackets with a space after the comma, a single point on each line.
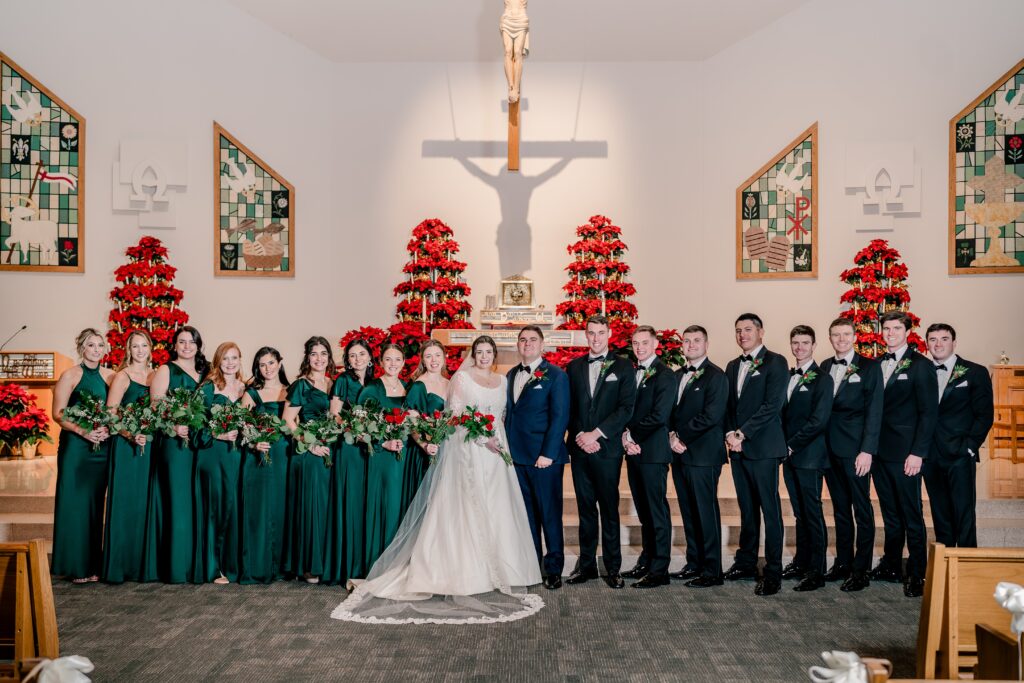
[561, 30]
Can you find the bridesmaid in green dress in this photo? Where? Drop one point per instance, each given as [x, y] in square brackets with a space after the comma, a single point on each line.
[426, 395]
[170, 529]
[264, 487]
[128, 475]
[346, 505]
[386, 470]
[218, 462]
[308, 474]
[81, 471]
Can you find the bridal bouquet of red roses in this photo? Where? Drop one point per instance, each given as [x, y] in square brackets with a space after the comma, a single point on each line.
[480, 427]
[434, 428]
[90, 414]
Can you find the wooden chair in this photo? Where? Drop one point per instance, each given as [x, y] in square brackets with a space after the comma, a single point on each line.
[959, 592]
[28, 619]
[1008, 430]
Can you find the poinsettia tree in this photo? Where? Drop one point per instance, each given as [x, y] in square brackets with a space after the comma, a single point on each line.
[434, 291]
[878, 284]
[145, 299]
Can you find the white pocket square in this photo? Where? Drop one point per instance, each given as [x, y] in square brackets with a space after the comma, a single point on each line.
[854, 379]
[962, 384]
[537, 386]
[756, 373]
[611, 378]
[803, 388]
[696, 389]
[902, 377]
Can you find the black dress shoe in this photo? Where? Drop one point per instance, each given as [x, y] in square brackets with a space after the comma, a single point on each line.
[685, 574]
[914, 587]
[839, 572]
[705, 582]
[857, 582]
[615, 581]
[637, 572]
[652, 581]
[812, 581]
[552, 582]
[578, 576]
[736, 573]
[884, 572]
[793, 571]
[767, 587]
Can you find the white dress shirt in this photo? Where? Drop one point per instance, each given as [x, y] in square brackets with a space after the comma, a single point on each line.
[944, 375]
[744, 369]
[522, 378]
[795, 379]
[594, 370]
[888, 366]
[839, 371]
[693, 367]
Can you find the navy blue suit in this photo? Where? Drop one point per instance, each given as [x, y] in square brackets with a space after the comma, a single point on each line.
[536, 425]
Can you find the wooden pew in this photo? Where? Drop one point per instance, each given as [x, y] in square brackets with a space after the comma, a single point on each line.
[959, 592]
[28, 619]
[998, 656]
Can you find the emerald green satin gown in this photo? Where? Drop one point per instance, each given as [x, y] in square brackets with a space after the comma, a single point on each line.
[127, 501]
[385, 477]
[308, 483]
[416, 459]
[218, 464]
[81, 487]
[171, 526]
[346, 505]
[262, 509]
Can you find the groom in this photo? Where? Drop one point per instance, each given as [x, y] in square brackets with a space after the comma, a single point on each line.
[535, 420]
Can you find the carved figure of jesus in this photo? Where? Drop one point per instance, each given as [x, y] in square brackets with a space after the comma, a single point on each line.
[515, 36]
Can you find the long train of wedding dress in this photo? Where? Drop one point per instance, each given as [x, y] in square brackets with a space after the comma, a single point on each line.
[463, 553]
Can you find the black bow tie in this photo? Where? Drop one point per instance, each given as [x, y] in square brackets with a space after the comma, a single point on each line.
[597, 359]
[888, 356]
[688, 368]
[840, 361]
[796, 371]
[746, 359]
[522, 368]
[940, 366]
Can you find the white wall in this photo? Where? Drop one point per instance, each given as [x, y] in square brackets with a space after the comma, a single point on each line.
[350, 138]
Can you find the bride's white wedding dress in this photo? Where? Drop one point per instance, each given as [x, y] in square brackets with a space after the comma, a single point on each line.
[463, 553]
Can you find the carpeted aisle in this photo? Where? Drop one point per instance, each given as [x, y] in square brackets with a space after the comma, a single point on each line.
[584, 633]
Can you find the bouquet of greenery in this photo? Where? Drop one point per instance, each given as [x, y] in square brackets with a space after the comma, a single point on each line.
[262, 428]
[136, 418]
[228, 417]
[480, 426]
[434, 428]
[320, 431]
[90, 414]
[363, 423]
[181, 407]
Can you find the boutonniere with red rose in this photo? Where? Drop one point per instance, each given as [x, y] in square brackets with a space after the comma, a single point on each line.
[904, 364]
[958, 372]
[604, 367]
[851, 370]
[539, 375]
[647, 374]
[807, 377]
[755, 364]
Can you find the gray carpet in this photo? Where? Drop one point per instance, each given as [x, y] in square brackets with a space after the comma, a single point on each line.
[584, 633]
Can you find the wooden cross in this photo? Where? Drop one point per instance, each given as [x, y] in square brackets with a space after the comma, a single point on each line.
[513, 136]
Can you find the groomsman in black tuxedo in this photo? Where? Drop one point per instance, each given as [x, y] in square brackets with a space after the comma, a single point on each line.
[647, 459]
[965, 416]
[757, 444]
[805, 419]
[602, 390]
[852, 439]
[697, 440]
[908, 428]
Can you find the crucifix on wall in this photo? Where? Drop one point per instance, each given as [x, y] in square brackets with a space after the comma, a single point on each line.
[515, 38]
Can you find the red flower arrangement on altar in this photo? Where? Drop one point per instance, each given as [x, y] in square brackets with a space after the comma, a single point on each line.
[145, 300]
[21, 421]
[877, 285]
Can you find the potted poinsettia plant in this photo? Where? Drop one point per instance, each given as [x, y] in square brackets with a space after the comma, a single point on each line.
[22, 424]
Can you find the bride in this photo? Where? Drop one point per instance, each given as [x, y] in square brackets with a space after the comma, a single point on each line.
[463, 553]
